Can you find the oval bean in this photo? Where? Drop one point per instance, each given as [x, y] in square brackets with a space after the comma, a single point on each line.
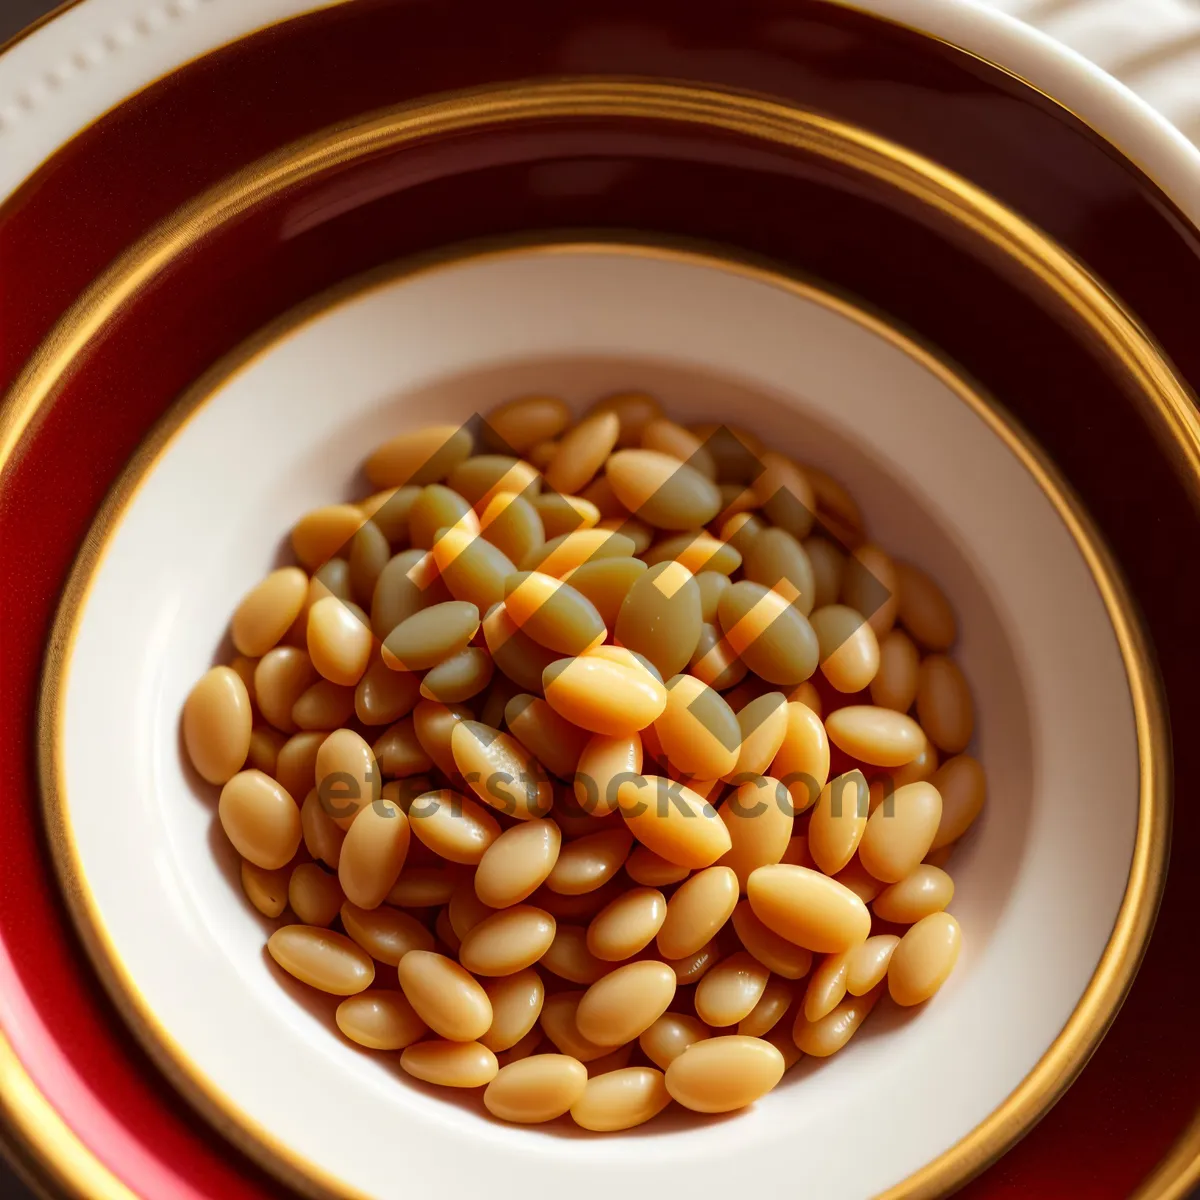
[327, 961]
[380, 1020]
[217, 724]
[923, 960]
[721, 1074]
[536, 1089]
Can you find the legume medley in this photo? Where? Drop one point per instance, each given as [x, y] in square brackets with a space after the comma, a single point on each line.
[618, 744]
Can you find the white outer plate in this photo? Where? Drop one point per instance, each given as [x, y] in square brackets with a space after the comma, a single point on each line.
[65, 75]
[1039, 882]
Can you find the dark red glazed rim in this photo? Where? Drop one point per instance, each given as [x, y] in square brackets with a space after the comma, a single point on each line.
[191, 129]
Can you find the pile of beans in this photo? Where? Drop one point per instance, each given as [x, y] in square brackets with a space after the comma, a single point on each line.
[618, 743]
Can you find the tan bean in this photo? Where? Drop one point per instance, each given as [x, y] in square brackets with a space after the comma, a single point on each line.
[244, 668]
[836, 507]
[768, 632]
[453, 825]
[260, 819]
[508, 941]
[868, 963]
[267, 611]
[672, 439]
[785, 495]
[558, 1023]
[323, 959]
[517, 863]
[576, 821]
[447, 940]
[722, 1074]
[280, 678]
[369, 554]
[347, 776]
[838, 821]
[380, 1020]
[218, 724]
[536, 1089]
[828, 566]
[606, 582]
[808, 908]
[409, 583]
[660, 617]
[778, 997]
[582, 451]
[601, 695]
[621, 1100]
[314, 895]
[661, 490]
[420, 456]
[438, 507]
[645, 867]
[944, 706]
[266, 890]
[849, 648]
[571, 550]
[425, 887]
[517, 655]
[495, 700]
[926, 890]
[900, 834]
[430, 636]
[518, 424]
[806, 694]
[388, 511]
[516, 1001]
[673, 821]
[712, 586]
[619, 1007]
[524, 1048]
[615, 1060]
[776, 953]
[828, 1035]
[895, 683]
[774, 555]
[781, 1038]
[827, 985]
[638, 532]
[923, 960]
[384, 933]
[634, 411]
[513, 525]
[373, 854]
[922, 608]
[698, 730]
[764, 724]
[731, 990]
[472, 569]
[501, 771]
[433, 725]
[627, 924]
[569, 958]
[879, 736]
[962, 786]
[483, 477]
[859, 880]
[759, 818]
[322, 838]
[445, 996]
[399, 753]
[670, 1036]
[451, 1063]
[563, 514]
[697, 912]
[714, 662]
[698, 551]
[590, 862]
[741, 528]
[693, 967]
[802, 762]
[323, 706]
[459, 677]
[601, 767]
[465, 909]
[553, 613]
[321, 534]
[869, 586]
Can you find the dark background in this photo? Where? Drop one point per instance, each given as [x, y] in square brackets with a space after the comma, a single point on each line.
[14, 16]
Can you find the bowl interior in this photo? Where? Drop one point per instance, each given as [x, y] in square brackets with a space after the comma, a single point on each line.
[943, 481]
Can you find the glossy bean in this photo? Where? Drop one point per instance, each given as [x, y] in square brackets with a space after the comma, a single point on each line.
[660, 617]
[802, 761]
[267, 611]
[450, 1063]
[763, 724]
[445, 996]
[514, 652]
[697, 911]
[633, 410]
[714, 662]
[896, 841]
[661, 490]
[868, 963]
[944, 706]
[425, 887]
[768, 632]
[323, 706]
[645, 867]
[627, 924]
[828, 1035]
[582, 452]
[895, 683]
[558, 1023]
[839, 819]
[472, 569]
[408, 583]
[926, 890]
[517, 862]
[266, 890]
[698, 551]
[386, 934]
[373, 854]
[513, 525]
[670, 1036]
[314, 895]
[874, 735]
[621, 1100]
[430, 636]
[625, 1002]
[458, 678]
[849, 647]
[518, 424]
[380, 1020]
[536, 1089]
[777, 998]
[808, 908]
[508, 941]
[731, 990]
[589, 862]
[218, 724]
[571, 550]
[721, 1074]
[827, 985]
[280, 678]
[561, 514]
[347, 776]
[673, 821]
[327, 961]
[260, 819]
[782, 957]
[421, 456]
[775, 555]
[516, 1002]
[923, 960]
[759, 818]
[923, 609]
[601, 695]
[454, 826]
[500, 771]
[962, 785]
[321, 534]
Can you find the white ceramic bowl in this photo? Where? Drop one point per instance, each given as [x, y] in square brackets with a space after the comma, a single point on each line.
[943, 480]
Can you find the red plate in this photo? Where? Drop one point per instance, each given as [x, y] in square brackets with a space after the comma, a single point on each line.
[193, 128]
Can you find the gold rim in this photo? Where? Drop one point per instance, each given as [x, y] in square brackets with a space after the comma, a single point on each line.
[1165, 398]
